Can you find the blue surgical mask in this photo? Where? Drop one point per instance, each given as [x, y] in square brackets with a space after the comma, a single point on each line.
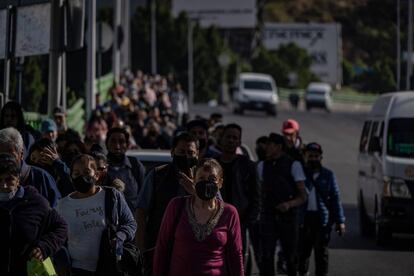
[7, 196]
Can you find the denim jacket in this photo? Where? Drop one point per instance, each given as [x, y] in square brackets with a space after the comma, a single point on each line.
[327, 196]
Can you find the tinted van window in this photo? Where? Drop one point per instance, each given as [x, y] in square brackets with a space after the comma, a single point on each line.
[258, 85]
[364, 136]
[400, 137]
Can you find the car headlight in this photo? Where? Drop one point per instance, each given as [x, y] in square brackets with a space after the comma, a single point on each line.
[396, 187]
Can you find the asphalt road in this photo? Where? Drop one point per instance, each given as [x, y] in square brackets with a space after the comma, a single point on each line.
[338, 132]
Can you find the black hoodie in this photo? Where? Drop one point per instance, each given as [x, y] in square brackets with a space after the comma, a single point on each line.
[27, 222]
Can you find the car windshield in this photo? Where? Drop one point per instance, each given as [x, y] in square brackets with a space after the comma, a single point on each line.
[401, 137]
[257, 85]
[316, 92]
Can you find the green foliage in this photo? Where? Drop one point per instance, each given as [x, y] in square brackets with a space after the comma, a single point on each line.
[172, 50]
[280, 63]
[33, 85]
[368, 34]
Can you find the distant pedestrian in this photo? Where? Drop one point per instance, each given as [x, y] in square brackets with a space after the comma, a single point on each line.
[49, 129]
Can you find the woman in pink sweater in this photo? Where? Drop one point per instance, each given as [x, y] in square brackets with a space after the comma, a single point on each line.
[200, 234]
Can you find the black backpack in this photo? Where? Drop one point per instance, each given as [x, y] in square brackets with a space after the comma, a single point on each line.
[131, 261]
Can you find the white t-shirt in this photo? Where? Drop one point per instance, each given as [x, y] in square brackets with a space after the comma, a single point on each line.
[296, 171]
[86, 221]
[312, 202]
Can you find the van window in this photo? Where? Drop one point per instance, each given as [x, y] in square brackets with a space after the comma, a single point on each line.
[316, 92]
[400, 137]
[364, 136]
[257, 85]
[374, 133]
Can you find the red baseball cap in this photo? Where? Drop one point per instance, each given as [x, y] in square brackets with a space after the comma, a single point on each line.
[290, 126]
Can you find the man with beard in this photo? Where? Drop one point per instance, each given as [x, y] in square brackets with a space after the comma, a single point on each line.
[322, 210]
[128, 169]
[161, 185]
[283, 192]
[240, 183]
[199, 129]
[294, 143]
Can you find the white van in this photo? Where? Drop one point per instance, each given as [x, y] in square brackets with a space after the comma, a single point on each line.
[254, 91]
[318, 94]
[386, 167]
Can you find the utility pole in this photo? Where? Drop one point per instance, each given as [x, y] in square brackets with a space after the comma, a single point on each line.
[55, 56]
[116, 56]
[91, 59]
[190, 52]
[10, 38]
[153, 37]
[126, 45]
[409, 45]
[398, 47]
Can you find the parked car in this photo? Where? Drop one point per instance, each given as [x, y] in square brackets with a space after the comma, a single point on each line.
[254, 91]
[151, 158]
[318, 95]
[386, 168]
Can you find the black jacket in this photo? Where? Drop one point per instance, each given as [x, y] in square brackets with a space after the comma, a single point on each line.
[245, 191]
[28, 222]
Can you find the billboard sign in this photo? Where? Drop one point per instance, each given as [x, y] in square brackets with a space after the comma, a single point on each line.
[225, 14]
[32, 30]
[322, 41]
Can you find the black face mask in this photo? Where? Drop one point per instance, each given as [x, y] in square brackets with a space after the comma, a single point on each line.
[206, 190]
[182, 162]
[116, 158]
[261, 154]
[83, 184]
[202, 143]
[314, 165]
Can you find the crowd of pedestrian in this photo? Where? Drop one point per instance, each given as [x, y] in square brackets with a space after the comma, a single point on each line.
[81, 200]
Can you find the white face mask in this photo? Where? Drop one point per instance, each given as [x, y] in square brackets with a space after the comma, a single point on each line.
[7, 196]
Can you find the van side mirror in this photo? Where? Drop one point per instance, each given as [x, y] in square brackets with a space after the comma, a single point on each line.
[375, 145]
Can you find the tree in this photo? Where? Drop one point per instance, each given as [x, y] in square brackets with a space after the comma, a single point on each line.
[282, 62]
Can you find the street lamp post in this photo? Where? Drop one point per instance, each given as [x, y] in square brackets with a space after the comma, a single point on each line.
[409, 45]
[224, 61]
[190, 50]
[153, 37]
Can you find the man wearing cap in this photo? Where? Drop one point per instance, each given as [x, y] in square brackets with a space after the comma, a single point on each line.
[294, 145]
[199, 129]
[59, 116]
[283, 191]
[49, 129]
[322, 210]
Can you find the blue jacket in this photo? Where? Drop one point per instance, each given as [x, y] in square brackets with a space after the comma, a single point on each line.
[42, 181]
[121, 215]
[327, 196]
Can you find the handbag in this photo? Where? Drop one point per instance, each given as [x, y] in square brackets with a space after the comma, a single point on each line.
[38, 268]
[130, 263]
